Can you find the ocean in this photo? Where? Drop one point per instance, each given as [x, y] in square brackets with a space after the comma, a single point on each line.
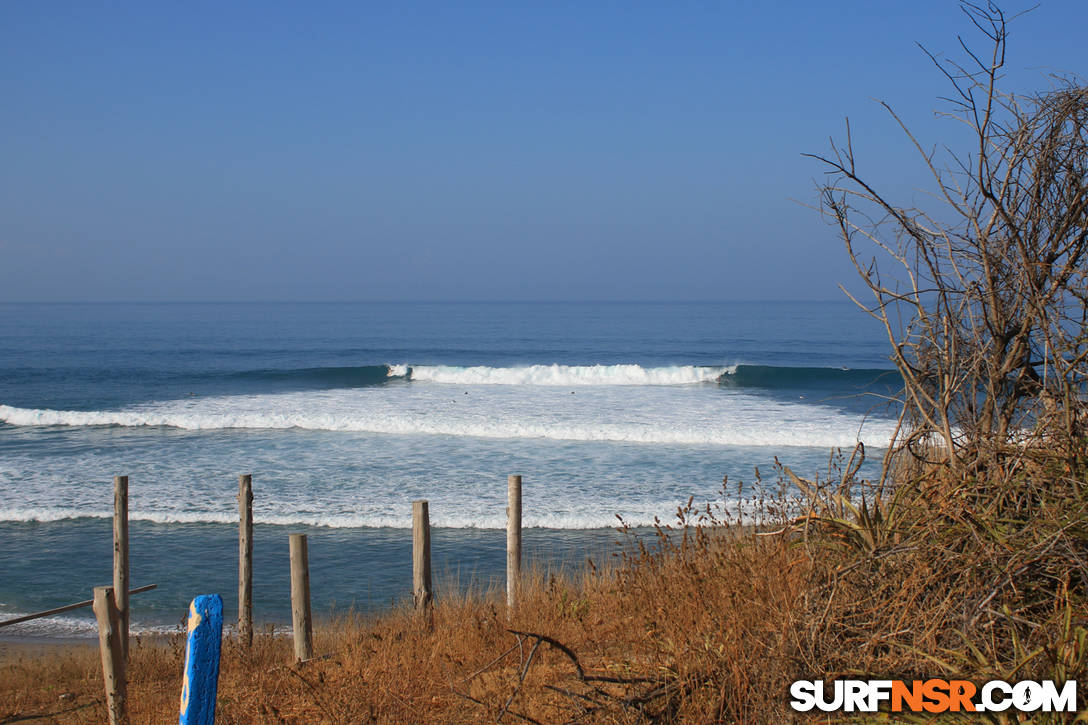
[344, 413]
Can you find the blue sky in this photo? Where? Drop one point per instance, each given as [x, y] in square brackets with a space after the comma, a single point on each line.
[423, 151]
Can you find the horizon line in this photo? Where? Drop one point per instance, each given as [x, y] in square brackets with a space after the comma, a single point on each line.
[420, 301]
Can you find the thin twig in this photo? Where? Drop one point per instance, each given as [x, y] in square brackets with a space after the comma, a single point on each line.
[521, 680]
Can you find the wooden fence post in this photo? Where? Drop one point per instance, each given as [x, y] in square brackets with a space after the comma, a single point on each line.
[120, 556]
[421, 555]
[202, 648]
[513, 540]
[300, 598]
[245, 560]
[112, 652]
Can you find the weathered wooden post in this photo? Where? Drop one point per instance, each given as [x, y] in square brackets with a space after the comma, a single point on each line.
[300, 598]
[112, 652]
[245, 560]
[513, 540]
[202, 647]
[421, 555]
[120, 556]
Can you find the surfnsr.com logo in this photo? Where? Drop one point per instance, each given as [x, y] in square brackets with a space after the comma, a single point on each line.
[933, 696]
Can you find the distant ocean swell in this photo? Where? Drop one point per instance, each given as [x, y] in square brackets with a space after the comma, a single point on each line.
[740, 375]
[685, 405]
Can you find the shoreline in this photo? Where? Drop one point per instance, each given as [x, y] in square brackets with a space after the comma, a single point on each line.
[407, 658]
[367, 571]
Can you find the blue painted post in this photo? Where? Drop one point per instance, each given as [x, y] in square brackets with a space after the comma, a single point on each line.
[202, 661]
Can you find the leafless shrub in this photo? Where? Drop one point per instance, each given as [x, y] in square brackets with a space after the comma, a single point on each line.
[983, 294]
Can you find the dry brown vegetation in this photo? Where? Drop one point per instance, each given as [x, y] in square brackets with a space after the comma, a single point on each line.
[636, 642]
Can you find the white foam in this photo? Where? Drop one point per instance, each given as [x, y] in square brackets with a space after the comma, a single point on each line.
[397, 371]
[442, 518]
[49, 514]
[565, 375]
[774, 424]
[67, 626]
[588, 453]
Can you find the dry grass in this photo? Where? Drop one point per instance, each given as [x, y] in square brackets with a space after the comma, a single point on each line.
[708, 623]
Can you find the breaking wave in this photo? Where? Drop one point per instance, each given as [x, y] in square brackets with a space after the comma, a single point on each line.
[563, 375]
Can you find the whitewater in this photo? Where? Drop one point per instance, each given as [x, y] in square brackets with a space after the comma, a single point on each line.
[344, 414]
[562, 375]
[467, 402]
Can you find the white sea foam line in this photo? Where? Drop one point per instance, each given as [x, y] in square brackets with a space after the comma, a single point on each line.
[48, 515]
[69, 626]
[561, 375]
[315, 485]
[645, 415]
[642, 515]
